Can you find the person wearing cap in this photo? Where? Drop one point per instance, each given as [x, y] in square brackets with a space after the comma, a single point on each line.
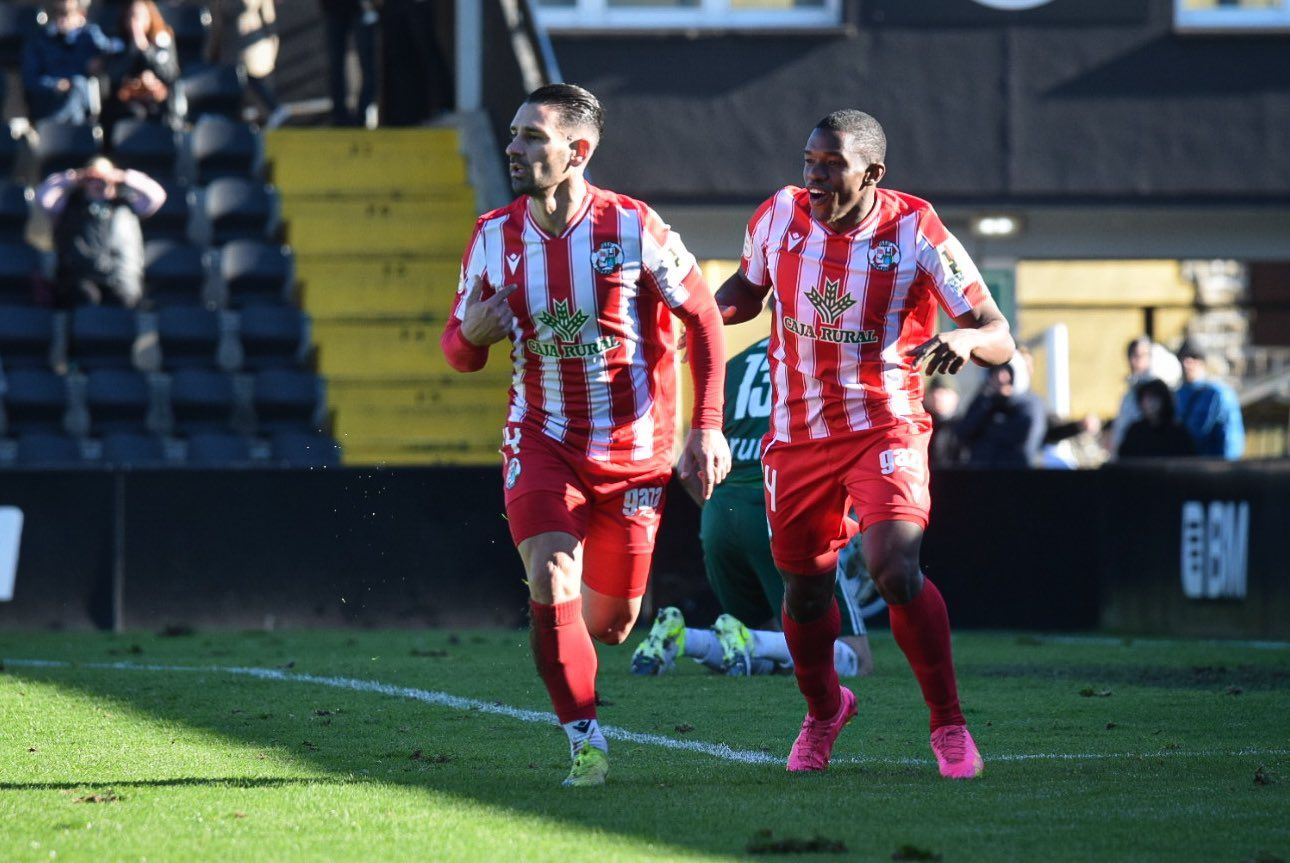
[1208, 408]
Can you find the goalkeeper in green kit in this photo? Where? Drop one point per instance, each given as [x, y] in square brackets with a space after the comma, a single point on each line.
[736, 556]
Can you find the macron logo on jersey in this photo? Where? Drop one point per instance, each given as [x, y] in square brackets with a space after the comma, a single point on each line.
[794, 240]
[512, 261]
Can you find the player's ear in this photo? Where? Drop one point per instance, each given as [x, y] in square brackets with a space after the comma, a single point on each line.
[581, 148]
[874, 173]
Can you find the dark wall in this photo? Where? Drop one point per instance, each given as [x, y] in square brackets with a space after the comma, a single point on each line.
[1072, 100]
[429, 547]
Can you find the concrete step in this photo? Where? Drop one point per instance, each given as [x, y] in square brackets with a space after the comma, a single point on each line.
[384, 160]
[343, 286]
[392, 349]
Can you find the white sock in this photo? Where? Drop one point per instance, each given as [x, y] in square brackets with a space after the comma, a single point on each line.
[771, 645]
[699, 643]
[582, 731]
[845, 660]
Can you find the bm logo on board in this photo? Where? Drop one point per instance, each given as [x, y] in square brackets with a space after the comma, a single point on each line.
[1215, 549]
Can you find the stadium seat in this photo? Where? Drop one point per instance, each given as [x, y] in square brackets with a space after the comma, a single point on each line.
[256, 273]
[49, 449]
[134, 449]
[303, 449]
[189, 337]
[14, 209]
[174, 273]
[209, 90]
[288, 400]
[218, 449]
[63, 145]
[201, 400]
[25, 336]
[238, 209]
[16, 22]
[191, 23]
[20, 264]
[35, 400]
[273, 336]
[118, 400]
[144, 146]
[171, 221]
[102, 337]
[220, 147]
[9, 150]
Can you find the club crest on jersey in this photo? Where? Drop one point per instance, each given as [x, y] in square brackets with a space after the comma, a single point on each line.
[512, 472]
[833, 302]
[607, 259]
[884, 256]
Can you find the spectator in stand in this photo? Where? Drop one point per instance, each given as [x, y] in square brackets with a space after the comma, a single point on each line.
[258, 37]
[1158, 433]
[1209, 409]
[357, 17]
[1068, 442]
[60, 61]
[941, 401]
[1147, 359]
[142, 75]
[97, 236]
[1004, 424]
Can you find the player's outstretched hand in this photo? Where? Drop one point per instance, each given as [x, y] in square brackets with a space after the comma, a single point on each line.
[487, 321]
[944, 353]
[707, 456]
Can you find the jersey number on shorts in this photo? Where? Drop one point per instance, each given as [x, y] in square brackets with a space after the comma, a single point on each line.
[511, 438]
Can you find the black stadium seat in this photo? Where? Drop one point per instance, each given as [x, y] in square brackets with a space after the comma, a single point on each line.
[62, 146]
[191, 23]
[220, 147]
[189, 336]
[17, 22]
[209, 90]
[134, 449]
[35, 400]
[171, 221]
[304, 449]
[288, 400]
[49, 449]
[19, 266]
[14, 209]
[255, 272]
[118, 400]
[201, 400]
[144, 146]
[238, 209]
[273, 336]
[218, 449]
[174, 273]
[102, 337]
[25, 336]
[9, 150]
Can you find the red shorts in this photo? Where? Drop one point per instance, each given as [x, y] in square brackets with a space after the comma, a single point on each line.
[550, 487]
[810, 486]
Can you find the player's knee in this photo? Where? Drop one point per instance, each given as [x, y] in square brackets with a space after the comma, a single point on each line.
[807, 599]
[611, 635]
[897, 577]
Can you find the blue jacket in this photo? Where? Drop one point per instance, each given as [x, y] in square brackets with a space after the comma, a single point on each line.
[49, 55]
[1211, 413]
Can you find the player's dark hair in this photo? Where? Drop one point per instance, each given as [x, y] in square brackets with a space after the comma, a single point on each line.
[576, 106]
[866, 133]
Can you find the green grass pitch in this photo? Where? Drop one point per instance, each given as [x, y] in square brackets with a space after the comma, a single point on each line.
[1095, 749]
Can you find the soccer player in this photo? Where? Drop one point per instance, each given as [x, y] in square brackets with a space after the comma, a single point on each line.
[583, 283]
[858, 274]
[737, 559]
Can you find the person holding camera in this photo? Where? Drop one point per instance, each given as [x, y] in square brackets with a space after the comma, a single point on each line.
[98, 239]
[1005, 423]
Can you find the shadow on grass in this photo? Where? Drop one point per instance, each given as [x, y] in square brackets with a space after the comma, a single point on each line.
[666, 798]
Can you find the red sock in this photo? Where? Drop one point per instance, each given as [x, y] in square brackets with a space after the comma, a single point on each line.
[922, 629]
[565, 658]
[811, 645]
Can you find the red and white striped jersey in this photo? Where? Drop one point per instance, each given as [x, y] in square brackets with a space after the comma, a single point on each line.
[592, 341]
[849, 305]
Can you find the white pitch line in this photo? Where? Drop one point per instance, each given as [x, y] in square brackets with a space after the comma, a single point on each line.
[716, 750]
